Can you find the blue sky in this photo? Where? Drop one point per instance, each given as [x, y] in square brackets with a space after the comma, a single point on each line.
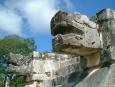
[31, 18]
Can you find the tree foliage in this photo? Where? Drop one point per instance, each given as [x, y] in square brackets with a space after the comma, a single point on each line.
[14, 44]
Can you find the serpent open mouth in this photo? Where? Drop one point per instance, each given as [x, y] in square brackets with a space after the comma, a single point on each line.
[62, 44]
[72, 35]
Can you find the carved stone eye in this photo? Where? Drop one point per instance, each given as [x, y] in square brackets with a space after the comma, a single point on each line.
[93, 42]
[78, 38]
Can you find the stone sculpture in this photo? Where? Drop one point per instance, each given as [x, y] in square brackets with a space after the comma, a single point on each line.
[76, 34]
[84, 53]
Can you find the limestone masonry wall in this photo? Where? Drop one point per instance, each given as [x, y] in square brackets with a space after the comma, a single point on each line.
[83, 53]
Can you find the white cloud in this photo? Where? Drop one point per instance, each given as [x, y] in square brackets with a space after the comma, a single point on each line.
[10, 23]
[69, 5]
[37, 12]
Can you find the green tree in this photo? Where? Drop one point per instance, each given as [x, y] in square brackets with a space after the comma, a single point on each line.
[14, 44]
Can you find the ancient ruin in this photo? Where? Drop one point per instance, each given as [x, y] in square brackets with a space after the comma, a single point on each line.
[83, 53]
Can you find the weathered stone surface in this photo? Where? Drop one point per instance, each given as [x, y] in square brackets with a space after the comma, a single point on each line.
[106, 21]
[74, 30]
[18, 59]
[20, 70]
[49, 65]
[77, 44]
[51, 68]
[104, 77]
[76, 34]
[64, 22]
[67, 28]
[106, 14]
[89, 61]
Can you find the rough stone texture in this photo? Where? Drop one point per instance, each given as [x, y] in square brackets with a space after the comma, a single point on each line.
[84, 53]
[20, 70]
[51, 69]
[74, 30]
[73, 22]
[75, 33]
[106, 20]
[104, 77]
[17, 59]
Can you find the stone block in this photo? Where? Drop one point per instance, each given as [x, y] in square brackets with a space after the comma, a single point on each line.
[103, 77]
[105, 14]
